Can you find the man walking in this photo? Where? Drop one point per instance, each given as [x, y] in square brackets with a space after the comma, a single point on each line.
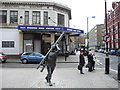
[51, 63]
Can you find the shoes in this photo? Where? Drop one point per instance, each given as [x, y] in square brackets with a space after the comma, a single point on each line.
[81, 73]
[50, 84]
[48, 81]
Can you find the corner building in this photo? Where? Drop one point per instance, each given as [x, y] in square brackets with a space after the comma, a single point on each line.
[35, 25]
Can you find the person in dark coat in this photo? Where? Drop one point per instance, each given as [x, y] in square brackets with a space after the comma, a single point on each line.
[51, 63]
[81, 62]
[91, 62]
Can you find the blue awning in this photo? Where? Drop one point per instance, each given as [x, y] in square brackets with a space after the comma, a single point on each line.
[48, 28]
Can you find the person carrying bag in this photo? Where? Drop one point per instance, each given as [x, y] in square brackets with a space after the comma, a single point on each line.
[81, 62]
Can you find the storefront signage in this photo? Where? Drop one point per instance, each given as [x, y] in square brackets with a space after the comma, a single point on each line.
[49, 28]
[28, 44]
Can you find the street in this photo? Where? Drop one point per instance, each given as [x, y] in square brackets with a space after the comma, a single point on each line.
[16, 75]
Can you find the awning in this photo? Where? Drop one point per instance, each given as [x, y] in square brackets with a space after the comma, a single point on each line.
[48, 28]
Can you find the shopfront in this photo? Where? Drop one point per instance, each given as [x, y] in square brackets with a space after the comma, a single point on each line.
[40, 38]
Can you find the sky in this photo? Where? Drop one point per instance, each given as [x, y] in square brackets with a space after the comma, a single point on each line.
[81, 9]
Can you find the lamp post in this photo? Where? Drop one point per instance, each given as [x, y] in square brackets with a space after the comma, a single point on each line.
[107, 61]
[88, 31]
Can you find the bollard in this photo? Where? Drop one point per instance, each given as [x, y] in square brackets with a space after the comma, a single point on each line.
[107, 64]
[119, 71]
[118, 66]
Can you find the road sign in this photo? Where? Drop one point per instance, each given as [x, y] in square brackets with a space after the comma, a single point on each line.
[106, 38]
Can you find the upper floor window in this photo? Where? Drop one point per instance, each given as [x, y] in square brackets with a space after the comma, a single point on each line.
[13, 17]
[36, 17]
[26, 17]
[45, 18]
[3, 16]
[60, 19]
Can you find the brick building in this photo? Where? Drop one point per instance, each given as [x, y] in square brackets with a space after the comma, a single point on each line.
[95, 37]
[113, 26]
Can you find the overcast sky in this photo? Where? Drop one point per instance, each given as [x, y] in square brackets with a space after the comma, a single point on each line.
[81, 9]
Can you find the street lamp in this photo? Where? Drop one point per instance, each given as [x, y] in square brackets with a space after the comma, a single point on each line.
[87, 32]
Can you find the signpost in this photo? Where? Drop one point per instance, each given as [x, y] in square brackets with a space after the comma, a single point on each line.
[106, 38]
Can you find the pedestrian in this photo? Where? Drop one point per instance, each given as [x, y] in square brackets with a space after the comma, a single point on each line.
[91, 62]
[51, 63]
[81, 62]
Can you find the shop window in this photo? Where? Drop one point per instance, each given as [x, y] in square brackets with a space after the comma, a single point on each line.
[60, 19]
[14, 17]
[7, 44]
[3, 16]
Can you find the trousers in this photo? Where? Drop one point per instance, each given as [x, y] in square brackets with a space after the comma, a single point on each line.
[49, 75]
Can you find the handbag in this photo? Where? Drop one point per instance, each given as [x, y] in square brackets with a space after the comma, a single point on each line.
[80, 67]
[89, 65]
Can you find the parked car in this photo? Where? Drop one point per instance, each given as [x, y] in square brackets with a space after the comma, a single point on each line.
[112, 52]
[101, 50]
[3, 57]
[31, 57]
[96, 50]
[118, 52]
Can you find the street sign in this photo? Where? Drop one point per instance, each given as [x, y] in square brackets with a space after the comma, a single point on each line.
[106, 38]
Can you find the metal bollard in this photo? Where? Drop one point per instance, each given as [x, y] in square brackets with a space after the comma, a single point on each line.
[118, 66]
[119, 71]
[107, 64]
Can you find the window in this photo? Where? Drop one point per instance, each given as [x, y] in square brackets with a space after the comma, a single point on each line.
[3, 16]
[36, 17]
[13, 17]
[7, 44]
[26, 17]
[46, 18]
[60, 19]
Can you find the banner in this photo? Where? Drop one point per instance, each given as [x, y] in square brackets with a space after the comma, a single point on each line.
[48, 28]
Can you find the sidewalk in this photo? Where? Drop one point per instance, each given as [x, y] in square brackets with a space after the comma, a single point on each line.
[71, 78]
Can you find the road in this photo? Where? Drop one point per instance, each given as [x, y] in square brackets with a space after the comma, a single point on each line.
[100, 59]
[113, 60]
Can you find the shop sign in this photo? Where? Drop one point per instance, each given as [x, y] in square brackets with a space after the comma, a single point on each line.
[48, 28]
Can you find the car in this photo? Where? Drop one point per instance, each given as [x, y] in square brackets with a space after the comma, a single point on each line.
[96, 50]
[118, 52]
[112, 52]
[3, 57]
[31, 57]
[101, 50]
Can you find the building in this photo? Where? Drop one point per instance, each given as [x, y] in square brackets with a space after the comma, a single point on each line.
[33, 25]
[113, 26]
[96, 37]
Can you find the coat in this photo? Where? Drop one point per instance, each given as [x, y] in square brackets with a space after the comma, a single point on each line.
[90, 58]
[81, 60]
[51, 58]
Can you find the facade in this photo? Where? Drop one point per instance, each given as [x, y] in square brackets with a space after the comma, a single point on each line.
[33, 26]
[96, 37]
[113, 26]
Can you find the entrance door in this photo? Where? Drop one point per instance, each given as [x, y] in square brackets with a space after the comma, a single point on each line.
[28, 45]
[37, 46]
